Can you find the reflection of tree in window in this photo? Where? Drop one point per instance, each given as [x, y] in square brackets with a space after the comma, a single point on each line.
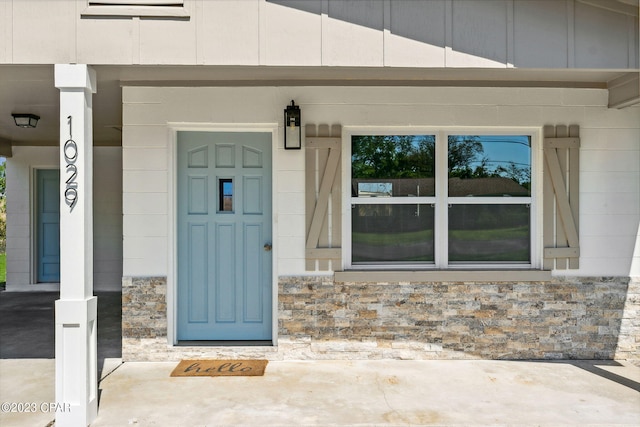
[406, 162]
[495, 162]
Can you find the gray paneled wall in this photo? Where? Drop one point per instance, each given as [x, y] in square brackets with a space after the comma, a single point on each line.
[420, 33]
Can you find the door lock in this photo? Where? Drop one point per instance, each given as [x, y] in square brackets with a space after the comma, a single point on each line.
[267, 247]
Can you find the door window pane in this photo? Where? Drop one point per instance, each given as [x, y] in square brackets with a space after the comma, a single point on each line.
[225, 192]
[489, 233]
[489, 165]
[392, 233]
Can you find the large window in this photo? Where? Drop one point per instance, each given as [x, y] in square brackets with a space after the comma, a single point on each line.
[441, 200]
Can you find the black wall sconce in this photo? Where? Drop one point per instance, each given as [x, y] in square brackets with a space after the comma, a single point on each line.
[25, 120]
[292, 128]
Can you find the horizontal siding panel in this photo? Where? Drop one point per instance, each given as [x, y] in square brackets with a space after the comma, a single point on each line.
[18, 231]
[291, 266]
[476, 115]
[554, 114]
[145, 136]
[144, 203]
[145, 181]
[390, 115]
[610, 182]
[141, 95]
[606, 247]
[610, 160]
[584, 97]
[291, 182]
[106, 247]
[605, 266]
[144, 159]
[290, 247]
[148, 248]
[18, 278]
[293, 225]
[136, 225]
[144, 267]
[18, 219]
[611, 118]
[19, 255]
[144, 114]
[519, 115]
[19, 242]
[291, 203]
[609, 225]
[610, 203]
[611, 139]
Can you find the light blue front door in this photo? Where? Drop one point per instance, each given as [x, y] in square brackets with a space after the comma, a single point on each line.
[48, 225]
[224, 236]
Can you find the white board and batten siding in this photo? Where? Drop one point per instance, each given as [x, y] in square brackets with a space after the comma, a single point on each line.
[398, 33]
[609, 168]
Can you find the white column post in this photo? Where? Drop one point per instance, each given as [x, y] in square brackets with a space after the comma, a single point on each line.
[76, 310]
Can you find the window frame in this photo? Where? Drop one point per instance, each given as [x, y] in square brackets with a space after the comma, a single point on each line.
[137, 8]
[441, 200]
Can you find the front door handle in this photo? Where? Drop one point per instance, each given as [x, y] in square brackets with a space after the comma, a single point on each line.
[267, 247]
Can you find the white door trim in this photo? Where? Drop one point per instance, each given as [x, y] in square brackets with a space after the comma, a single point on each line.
[172, 217]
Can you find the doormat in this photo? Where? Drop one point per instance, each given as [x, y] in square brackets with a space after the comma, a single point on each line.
[220, 368]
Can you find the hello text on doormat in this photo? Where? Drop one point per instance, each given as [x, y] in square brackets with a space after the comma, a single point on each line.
[219, 368]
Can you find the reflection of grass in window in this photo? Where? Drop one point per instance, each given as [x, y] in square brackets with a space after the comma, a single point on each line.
[381, 239]
[495, 234]
[521, 255]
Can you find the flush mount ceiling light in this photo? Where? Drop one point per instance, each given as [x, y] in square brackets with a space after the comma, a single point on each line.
[25, 120]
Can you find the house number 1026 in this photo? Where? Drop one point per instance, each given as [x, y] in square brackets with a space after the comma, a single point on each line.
[70, 152]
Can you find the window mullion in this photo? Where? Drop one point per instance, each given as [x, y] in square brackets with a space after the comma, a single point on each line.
[442, 219]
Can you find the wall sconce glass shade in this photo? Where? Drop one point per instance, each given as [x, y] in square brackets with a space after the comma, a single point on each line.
[292, 128]
[25, 120]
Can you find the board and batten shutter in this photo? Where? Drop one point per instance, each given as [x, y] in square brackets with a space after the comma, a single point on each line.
[561, 190]
[323, 198]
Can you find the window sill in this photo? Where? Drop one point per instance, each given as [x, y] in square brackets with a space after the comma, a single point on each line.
[141, 11]
[444, 276]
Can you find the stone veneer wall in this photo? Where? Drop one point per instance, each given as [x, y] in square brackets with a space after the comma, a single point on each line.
[567, 318]
[144, 308]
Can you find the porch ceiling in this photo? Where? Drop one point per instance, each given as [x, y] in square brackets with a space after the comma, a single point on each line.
[30, 88]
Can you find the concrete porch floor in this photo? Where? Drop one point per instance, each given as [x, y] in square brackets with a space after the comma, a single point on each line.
[346, 393]
[331, 393]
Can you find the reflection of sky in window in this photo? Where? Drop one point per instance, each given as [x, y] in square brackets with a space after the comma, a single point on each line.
[375, 189]
[501, 150]
[227, 188]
